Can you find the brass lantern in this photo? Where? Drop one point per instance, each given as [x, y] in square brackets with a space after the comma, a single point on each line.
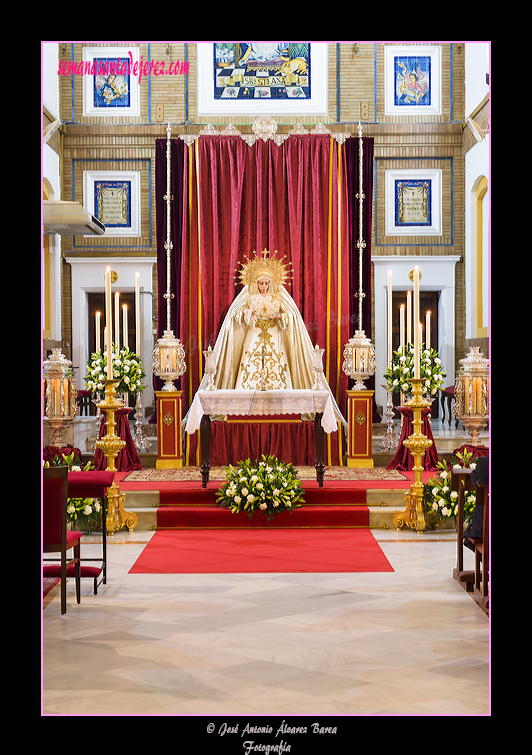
[169, 359]
[471, 392]
[59, 395]
[359, 359]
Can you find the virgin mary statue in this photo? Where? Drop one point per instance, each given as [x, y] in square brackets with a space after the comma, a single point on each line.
[263, 343]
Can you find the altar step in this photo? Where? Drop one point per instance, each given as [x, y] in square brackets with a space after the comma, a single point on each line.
[381, 506]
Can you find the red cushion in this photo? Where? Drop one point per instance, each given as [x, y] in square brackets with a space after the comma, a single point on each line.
[73, 537]
[89, 484]
[54, 570]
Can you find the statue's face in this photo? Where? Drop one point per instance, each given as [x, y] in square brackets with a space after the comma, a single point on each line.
[263, 285]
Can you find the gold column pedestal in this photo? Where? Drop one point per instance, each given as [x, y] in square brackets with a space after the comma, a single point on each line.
[110, 445]
[417, 443]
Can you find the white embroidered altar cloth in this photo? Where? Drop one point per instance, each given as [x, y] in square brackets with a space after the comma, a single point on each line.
[242, 402]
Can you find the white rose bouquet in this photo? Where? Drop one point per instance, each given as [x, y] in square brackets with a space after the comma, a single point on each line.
[269, 486]
[399, 375]
[438, 497]
[85, 513]
[127, 368]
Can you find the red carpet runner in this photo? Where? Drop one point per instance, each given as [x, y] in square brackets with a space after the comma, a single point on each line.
[323, 507]
[229, 551]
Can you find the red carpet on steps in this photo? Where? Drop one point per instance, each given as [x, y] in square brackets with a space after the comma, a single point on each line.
[229, 551]
[323, 507]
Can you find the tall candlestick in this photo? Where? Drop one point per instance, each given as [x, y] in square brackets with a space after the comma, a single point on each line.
[408, 317]
[390, 318]
[97, 318]
[124, 326]
[427, 330]
[416, 323]
[117, 322]
[137, 314]
[108, 323]
[402, 326]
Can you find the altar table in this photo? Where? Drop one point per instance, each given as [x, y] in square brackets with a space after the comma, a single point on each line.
[240, 402]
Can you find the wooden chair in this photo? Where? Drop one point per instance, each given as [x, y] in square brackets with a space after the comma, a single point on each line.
[482, 550]
[461, 483]
[55, 536]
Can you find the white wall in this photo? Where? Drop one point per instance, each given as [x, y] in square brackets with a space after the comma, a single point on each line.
[477, 165]
[437, 274]
[50, 91]
[88, 275]
[50, 172]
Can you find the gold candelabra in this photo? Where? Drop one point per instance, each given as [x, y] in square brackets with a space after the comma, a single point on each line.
[110, 445]
[417, 443]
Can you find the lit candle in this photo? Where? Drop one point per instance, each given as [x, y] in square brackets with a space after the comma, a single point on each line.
[408, 317]
[427, 330]
[416, 323]
[390, 318]
[137, 314]
[108, 323]
[402, 326]
[117, 322]
[124, 326]
[97, 329]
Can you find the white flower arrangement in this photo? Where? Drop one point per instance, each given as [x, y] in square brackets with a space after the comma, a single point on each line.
[438, 496]
[269, 486]
[399, 375]
[85, 512]
[127, 368]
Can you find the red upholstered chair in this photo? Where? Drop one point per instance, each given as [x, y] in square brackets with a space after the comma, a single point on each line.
[55, 536]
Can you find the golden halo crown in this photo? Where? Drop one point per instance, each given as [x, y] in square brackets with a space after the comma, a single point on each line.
[264, 265]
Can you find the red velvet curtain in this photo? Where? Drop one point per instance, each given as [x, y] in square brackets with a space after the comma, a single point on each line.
[297, 199]
[290, 199]
[178, 190]
[352, 148]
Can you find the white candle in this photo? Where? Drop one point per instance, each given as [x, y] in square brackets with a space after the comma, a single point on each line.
[124, 326]
[408, 317]
[390, 318]
[137, 314]
[402, 326]
[108, 323]
[117, 322]
[427, 330]
[97, 329]
[416, 323]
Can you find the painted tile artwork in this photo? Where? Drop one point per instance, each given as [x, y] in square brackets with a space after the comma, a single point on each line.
[112, 203]
[111, 84]
[413, 203]
[412, 81]
[262, 70]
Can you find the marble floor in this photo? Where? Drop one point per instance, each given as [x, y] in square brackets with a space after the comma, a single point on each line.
[408, 642]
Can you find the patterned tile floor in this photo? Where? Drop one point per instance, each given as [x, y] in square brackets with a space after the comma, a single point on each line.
[409, 642]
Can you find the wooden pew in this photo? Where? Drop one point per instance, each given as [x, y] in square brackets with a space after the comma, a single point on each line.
[461, 483]
[482, 550]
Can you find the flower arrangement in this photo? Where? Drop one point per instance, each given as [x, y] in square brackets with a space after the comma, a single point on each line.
[399, 375]
[269, 486]
[86, 513]
[127, 368]
[72, 461]
[438, 497]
